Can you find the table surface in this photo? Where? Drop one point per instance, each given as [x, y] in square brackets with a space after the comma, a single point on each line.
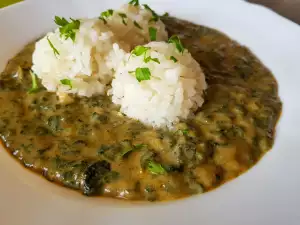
[287, 8]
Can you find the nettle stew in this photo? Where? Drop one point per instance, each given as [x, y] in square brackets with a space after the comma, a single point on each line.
[87, 144]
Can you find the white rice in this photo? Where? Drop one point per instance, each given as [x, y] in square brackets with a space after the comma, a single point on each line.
[130, 33]
[173, 92]
[90, 61]
[85, 61]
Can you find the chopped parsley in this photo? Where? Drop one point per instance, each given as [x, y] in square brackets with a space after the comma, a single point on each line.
[55, 51]
[152, 33]
[142, 50]
[66, 82]
[155, 16]
[123, 16]
[142, 74]
[176, 41]
[139, 50]
[134, 2]
[106, 14]
[148, 59]
[173, 58]
[60, 21]
[137, 25]
[153, 19]
[34, 86]
[67, 29]
[155, 168]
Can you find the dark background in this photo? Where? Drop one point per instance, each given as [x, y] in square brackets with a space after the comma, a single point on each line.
[287, 8]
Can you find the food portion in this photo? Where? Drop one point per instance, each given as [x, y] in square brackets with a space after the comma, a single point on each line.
[113, 107]
[80, 56]
[135, 24]
[80, 62]
[159, 83]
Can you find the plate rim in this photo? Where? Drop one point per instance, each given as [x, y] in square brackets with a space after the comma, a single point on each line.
[186, 203]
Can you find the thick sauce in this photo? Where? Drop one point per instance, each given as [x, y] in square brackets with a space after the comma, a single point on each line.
[86, 144]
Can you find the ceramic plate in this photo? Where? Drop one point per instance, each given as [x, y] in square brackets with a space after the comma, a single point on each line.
[266, 194]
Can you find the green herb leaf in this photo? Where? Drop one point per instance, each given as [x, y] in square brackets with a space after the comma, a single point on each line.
[34, 87]
[66, 82]
[60, 21]
[153, 19]
[107, 13]
[166, 14]
[53, 48]
[134, 2]
[142, 74]
[148, 59]
[123, 16]
[67, 29]
[137, 25]
[139, 50]
[176, 41]
[152, 33]
[104, 15]
[174, 59]
[155, 168]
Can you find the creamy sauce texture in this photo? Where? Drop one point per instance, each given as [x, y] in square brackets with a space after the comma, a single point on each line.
[88, 145]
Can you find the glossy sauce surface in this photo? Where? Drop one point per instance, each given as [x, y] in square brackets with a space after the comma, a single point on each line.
[87, 144]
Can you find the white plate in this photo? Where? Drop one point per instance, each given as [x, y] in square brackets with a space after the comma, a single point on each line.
[267, 194]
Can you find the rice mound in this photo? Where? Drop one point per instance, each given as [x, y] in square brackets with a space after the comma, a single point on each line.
[173, 92]
[130, 33]
[90, 61]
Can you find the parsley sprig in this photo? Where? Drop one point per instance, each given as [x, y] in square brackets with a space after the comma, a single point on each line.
[66, 82]
[106, 14]
[34, 85]
[142, 50]
[55, 51]
[149, 58]
[176, 41]
[173, 58]
[139, 50]
[152, 33]
[123, 16]
[134, 2]
[142, 73]
[155, 168]
[137, 25]
[67, 29]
